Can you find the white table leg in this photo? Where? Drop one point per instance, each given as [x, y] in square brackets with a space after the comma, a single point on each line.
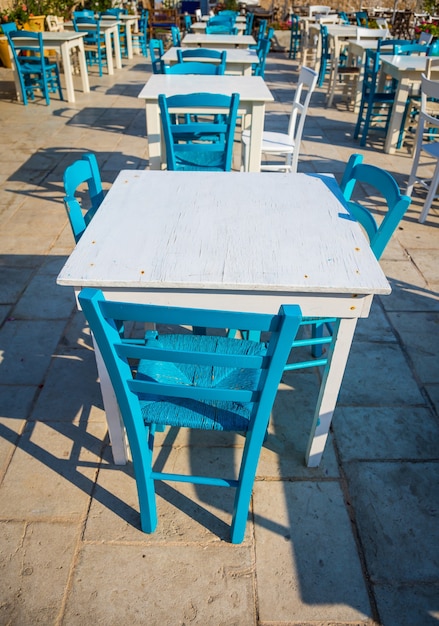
[129, 36]
[83, 66]
[153, 132]
[67, 65]
[116, 429]
[117, 55]
[108, 52]
[256, 130]
[329, 389]
[401, 97]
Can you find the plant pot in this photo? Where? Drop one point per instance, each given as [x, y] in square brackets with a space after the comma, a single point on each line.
[4, 52]
[35, 23]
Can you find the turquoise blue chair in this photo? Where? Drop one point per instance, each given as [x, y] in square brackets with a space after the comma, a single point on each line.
[295, 36]
[188, 23]
[260, 33]
[142, 34]
[325, 55]
[84, 13]
[343, 16]
[203, 141]
[249, 19]
[84, 171]
[263, 49]
[184, 380]
[375, 106]
[156, 51]
[94, 40]
[221, 29]
[375, 179]
[116, 12]
[33, 69]
[176, 36]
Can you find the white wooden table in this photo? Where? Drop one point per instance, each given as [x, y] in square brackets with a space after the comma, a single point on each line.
[110, 28]
[130, 24]
[239, 61]
[201, 40]
[233, 241]
[64, 42]
[407, 70]
[253, 94]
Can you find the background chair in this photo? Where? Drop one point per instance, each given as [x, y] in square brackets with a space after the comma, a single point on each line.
[141, 37]
[207, 382]
[83, 172]
[375, 105]
[375, 179]
[428, 121]
[176, 36]
[343, 77]
[262, 51]
[203, 141]
[249, 19]
[295, 36]
[286, 144]
[325, 55]
[94, 40]
[116, 12]
[156, 51]
[362, 18]
[194, 67]
[33, 69]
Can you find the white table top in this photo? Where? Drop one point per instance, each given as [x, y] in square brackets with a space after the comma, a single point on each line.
[251, 88]
[234, 55]
[405, 63]
[247, 232]
[218, 40]
[61, 36]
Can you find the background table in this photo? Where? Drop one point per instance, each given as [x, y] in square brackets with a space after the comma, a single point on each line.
[110, 28]
[407, 70]
[233, 241]
[253, 94]
[238, 60]
[64, 42]
[130, 22]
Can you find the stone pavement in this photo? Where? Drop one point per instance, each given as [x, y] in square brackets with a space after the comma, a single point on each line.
[355, 541]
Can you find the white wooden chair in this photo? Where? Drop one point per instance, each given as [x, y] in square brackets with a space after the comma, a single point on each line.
[285, 144]
[427, 120]
[342, 78]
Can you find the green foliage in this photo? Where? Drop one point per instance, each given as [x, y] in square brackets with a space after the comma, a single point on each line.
[98, 5]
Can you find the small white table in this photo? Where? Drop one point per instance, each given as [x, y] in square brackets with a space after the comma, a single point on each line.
[231, 241]
[407, 70]
[110, 28]
[63, 42]
[201, 40]
[130, 24]
[253, 94]
[238, 60]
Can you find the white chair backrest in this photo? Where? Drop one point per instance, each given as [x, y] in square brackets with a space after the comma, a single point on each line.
[305, 87]
[54, 23]
[371, 33]
[382, 23]
[432, 64]
[198, 15]
[316, 8]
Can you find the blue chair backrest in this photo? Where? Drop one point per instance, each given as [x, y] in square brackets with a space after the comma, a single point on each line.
[249, 19]
[189, 380]
[409, 48]
[82, 171]
[263, 49]
[8, 27]
[188, 23]
[156, 51]
[344, 19]
[194, 67]
[176, 37]
[116, 12]
[221, 29]
[362, 18]
[397, 204]
[195, 54]
[203, 142]
[218, 20]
